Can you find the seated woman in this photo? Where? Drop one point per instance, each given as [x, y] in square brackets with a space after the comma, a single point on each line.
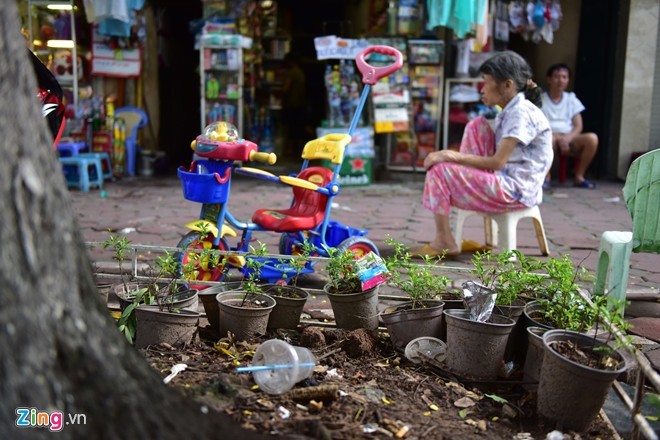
[493, 171]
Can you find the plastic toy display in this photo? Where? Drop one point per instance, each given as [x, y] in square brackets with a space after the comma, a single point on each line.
[208, 179]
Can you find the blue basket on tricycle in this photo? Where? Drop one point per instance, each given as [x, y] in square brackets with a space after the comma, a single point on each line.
[206, 181]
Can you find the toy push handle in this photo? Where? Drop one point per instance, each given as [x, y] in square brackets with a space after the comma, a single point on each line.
[269, 158]
[370, 74]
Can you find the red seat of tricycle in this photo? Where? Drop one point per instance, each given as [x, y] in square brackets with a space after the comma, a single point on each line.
[308, 207]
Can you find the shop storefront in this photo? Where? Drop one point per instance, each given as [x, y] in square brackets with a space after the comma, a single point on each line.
[186, 64]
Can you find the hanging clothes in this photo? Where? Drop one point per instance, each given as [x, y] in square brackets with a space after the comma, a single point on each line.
[459, 15]
[116, 17]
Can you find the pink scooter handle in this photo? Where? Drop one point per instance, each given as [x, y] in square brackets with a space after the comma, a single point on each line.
[370, 74]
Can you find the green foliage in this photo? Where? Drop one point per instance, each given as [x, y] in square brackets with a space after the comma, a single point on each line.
[417, 280]
[120, 246]
[558, 296]
[158, 289]
[254, 265]
[509, 273]
[298, 262]
[496, 398]
[342, 271]
[207, 258]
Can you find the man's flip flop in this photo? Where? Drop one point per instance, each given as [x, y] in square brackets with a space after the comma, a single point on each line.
[585, 184]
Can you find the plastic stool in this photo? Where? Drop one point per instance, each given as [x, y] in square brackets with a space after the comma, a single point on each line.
[82, 172]
[502, 227]
[71, 148]
[613, 264]
[563, 166]
[105, 162]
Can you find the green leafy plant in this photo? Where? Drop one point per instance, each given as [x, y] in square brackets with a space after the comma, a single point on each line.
[509, 273]
[120, 247]
[254, 264]
[417, 280]
[558, 295]
[297, 262]
[158, 289]
[343, 272]
[206, 259]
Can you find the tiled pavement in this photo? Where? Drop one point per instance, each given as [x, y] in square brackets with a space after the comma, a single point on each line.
[153, 212]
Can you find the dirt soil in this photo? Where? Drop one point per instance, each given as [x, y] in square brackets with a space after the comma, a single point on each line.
[361, 388]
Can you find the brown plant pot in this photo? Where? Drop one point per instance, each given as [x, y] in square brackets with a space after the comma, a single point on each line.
[355, 310]
[476, 348]
[451, 303]
[516, 346]
[104, 290]
[155, 326]
[569, 393]
[289, 304]
[180, 300]
[210, 303]
[534, 358]
[244, 322]
[405, 324]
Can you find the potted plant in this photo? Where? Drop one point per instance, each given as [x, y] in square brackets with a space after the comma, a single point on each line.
[171, 314]
[558, 304]
[245, 311]
[289, 298]
[422, 314]
[514, 278]
[574, 362]
[353, 308]
[160, 289]
[190, 270]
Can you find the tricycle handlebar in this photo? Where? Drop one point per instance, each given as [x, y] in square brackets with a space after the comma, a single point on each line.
[370, 74]
[269, 158]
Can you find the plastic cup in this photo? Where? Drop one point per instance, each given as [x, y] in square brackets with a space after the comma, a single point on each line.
[282, 366]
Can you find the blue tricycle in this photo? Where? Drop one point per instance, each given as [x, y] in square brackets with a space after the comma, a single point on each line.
[307, 220]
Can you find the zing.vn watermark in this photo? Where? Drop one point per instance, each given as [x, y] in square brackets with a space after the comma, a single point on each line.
[54, 421]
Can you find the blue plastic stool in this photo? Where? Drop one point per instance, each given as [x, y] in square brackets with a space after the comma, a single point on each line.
[67, 149]
[82, 172]
[105, 162]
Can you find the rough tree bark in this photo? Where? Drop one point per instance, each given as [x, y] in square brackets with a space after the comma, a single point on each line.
[59, 349]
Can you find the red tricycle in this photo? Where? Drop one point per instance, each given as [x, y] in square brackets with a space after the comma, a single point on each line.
[307, 220]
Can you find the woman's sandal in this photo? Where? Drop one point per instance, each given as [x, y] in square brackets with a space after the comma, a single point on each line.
[428, 251]
[585, 184]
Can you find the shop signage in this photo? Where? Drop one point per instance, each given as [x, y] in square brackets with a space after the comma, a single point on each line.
[332, 47]
[114, 61]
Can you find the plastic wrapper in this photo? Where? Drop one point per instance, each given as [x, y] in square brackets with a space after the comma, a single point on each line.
[372, 271]
[479, 300]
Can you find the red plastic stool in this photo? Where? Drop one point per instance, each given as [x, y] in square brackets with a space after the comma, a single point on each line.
[563, 167]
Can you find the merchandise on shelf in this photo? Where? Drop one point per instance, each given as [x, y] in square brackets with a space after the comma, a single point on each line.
[343, 88]
[221, 84]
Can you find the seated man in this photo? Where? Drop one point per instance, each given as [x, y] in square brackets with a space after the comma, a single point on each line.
[563, 112]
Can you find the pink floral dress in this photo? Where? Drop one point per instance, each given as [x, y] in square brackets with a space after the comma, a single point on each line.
[518, 185]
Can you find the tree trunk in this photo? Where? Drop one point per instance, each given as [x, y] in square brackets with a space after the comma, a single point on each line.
[60, 350]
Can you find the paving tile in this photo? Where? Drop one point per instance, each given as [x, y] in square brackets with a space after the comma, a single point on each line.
[574, 219]
[646, 327]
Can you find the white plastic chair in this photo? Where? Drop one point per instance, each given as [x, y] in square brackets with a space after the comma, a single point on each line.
[501, 227]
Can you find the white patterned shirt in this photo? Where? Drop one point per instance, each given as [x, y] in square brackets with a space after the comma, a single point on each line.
[523, 175]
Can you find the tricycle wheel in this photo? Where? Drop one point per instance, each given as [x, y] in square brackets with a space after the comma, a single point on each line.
[202, 267]
[287, 244]
[360, 246]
